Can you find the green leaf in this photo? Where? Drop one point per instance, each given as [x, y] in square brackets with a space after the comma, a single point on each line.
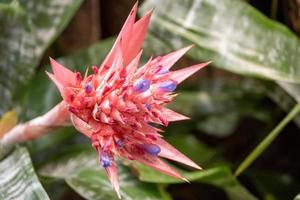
[18, 179]
[92, 183]
[297, 197]
[236, 38]
[219, 176]
[78, 166]
[27, 29]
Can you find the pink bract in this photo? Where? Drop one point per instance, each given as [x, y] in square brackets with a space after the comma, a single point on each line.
[118, 105]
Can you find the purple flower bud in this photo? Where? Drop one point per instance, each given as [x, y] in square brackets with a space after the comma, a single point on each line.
[105, 160]
[168, 86]
[142, 85]
[120, 143]
[88, 88]
[148, 106]
[152, 149]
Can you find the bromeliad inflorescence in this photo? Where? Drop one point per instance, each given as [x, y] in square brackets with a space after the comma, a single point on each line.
[118, 105]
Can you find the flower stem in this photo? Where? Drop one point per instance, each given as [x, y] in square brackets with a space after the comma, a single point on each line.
[57, 117]
[261, 147]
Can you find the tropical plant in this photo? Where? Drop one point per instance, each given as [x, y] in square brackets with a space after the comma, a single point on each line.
[237, 117]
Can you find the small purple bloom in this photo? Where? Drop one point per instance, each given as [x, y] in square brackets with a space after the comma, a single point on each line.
[148, 106]
[152, 149]
[142, 85]
[168, 86]
[105, 160]
[120, 143]
[88, 88]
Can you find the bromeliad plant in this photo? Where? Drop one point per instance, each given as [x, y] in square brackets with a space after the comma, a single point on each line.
[118, 105]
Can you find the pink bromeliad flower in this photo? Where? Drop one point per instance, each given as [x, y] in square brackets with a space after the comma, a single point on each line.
[118, 105]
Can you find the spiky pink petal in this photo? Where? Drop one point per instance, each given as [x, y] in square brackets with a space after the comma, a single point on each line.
[81, 125]
[169, 152]
[112, 173]
[170, 59]
[123, 37]
[62, 89]
[137, 37]
[173, 116]
[158, 164]
[60, 73]
[182, 74]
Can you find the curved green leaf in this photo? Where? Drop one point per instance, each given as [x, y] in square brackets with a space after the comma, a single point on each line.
[78, 166]
[236, 38]
[219, 176]
[92, 183]
[27, 29]
[18, 179]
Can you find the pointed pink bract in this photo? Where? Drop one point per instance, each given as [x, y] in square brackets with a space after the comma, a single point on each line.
[169, 152]
[170, 59]
[182, 74]
[61, 72]
[137, 37]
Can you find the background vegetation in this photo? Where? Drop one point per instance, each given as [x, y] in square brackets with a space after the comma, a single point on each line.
[246, 99]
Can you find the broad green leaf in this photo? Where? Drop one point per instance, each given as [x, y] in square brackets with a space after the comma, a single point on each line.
[218, 176]
[92, 183]
[18, 179]
[236, 38]
[78, 167]
[297, 197]
[27, 29]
